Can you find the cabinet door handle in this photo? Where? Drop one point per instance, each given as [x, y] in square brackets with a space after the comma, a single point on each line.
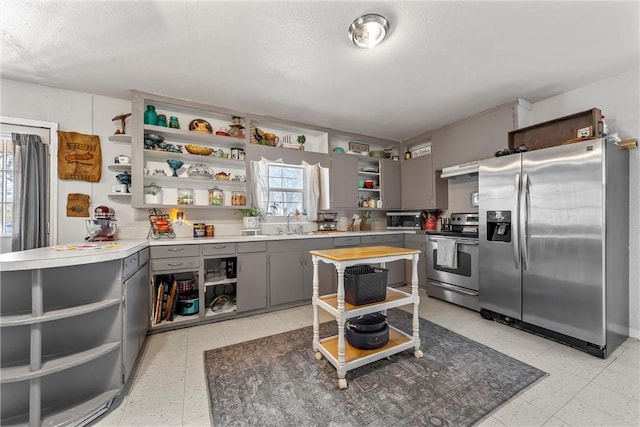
[175, 249]
[172, 264]
[220, 247]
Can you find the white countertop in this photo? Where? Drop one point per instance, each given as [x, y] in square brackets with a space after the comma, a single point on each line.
[87, 253]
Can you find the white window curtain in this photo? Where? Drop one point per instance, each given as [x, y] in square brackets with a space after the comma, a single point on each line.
[260, 185]
[315, 187]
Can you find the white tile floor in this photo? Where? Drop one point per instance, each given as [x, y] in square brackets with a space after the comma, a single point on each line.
[169, 386]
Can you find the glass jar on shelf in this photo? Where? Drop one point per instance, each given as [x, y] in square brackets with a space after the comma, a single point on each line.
[216, 196]
[152, 194]
[186, 196]
[150, 116]
[238, 198]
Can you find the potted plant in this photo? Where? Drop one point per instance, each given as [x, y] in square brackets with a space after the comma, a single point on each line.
[251, 218]
[301, 140]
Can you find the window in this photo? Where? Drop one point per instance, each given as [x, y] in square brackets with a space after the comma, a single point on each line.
[6, 185]
[286, 189]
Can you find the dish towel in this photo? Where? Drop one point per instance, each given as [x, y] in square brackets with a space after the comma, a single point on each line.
[447, 253]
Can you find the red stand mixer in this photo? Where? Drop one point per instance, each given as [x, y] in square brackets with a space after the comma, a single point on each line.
[103, 227]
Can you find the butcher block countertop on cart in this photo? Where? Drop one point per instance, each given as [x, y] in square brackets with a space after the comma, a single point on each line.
[343, 356]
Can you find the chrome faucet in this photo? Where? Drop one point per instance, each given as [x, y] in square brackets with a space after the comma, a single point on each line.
[288, 224]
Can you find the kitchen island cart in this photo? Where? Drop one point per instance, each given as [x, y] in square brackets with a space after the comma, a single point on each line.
[343, 356]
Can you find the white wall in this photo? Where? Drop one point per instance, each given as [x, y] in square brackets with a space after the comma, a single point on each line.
[619, 100]
[74, 112]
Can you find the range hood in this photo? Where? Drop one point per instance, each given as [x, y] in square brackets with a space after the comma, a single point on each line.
[463, 171]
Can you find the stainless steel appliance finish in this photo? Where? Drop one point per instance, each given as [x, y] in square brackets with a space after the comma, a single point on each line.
[554, 243]
[404, 221]
[458, 285]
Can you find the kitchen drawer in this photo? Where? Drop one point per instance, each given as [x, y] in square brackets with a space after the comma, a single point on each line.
[219, 249]
[174, 251]
[418, 238]
[394, 238]
[252, 247]
[372, 240]
[175, 264]
[129, 266]
[346, 241]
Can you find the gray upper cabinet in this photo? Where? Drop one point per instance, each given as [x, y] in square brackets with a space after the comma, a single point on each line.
[421, 189]
[477, 137]
[390, 192]
[344, 181]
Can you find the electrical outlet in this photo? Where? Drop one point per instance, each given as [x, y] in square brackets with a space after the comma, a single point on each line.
[584, 132]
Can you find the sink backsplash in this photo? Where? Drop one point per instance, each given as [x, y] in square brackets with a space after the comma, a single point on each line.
[274, 228]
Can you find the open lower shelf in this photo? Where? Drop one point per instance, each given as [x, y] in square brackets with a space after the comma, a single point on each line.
[27, 319]
[23, 372]
[397, 339]
[395, 298]
[81, 413]
[231, 309]
[220, 282]
[176, 319]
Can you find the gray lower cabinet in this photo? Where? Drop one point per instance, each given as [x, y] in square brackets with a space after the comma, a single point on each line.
[136, 306]
[60, 343]
[251, 292]
[396, 273]
[291, 270]
[417, 241]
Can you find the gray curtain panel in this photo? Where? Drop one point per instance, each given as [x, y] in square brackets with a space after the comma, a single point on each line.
[31, 193]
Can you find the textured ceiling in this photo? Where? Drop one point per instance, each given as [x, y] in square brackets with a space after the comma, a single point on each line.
[441, 62]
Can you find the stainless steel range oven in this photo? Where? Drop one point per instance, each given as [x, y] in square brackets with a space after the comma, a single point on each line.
[452, 261]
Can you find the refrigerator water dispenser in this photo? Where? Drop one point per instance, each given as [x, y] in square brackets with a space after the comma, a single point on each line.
[499, 226]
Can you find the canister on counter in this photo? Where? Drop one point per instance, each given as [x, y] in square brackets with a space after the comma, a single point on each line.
[209, 230]
[198, 229]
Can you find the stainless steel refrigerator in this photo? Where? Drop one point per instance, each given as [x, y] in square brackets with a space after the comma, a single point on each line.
[554, 243]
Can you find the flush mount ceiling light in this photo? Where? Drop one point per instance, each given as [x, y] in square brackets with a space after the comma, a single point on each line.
[368, 30]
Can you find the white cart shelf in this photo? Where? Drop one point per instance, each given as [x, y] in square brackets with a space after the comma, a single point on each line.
[338, 352]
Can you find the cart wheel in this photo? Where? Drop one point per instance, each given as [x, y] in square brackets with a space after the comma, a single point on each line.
[318, 355]
[155, 235]
[418, 354]
[171, 234]
[342, 383]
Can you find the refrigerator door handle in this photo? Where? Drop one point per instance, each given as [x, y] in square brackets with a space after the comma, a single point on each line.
[524, 219]
[514, 222]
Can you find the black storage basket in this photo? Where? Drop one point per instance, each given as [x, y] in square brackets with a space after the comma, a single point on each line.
[364, 284]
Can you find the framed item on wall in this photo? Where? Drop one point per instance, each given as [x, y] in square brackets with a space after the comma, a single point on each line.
[358, 147]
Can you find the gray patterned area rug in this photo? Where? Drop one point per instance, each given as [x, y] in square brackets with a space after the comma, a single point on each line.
[276, 381]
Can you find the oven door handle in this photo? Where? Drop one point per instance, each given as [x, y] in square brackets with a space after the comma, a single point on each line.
[453, 288]
[458, 241]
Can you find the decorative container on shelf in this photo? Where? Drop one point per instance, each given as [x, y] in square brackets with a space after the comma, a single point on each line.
[150, 116]
[185, 196]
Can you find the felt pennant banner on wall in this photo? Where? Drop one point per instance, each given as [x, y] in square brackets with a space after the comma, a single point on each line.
[79, 156]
